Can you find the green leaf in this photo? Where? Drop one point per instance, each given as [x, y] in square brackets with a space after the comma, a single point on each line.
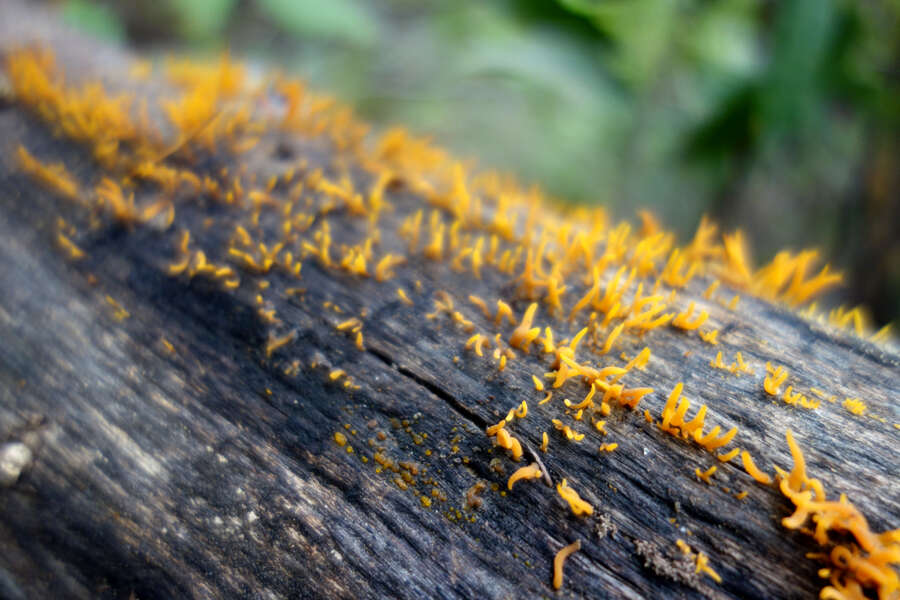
[342, 20]
[802, 33]
[202, 19]
[641, 30]
[723, 37]
[93, 18]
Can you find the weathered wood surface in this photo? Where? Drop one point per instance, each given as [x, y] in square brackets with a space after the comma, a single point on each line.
[209, 472]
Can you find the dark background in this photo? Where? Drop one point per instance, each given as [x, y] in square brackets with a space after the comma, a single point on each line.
[782, 118]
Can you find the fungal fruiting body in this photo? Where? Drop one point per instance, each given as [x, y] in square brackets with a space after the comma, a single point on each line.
[532, 471]
[701, 561]
[567, 431]
[753, 470]
[710, 337]
[578, 506]
[703, 567]
[705, 475]
[685, 321]
[775, 376]
[505, 440]
[728, 455]
[854, 405]
[54, 176]
[560, 559]
[525, 334]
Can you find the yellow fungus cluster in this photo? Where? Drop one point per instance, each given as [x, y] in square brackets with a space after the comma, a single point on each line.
[504, 439]
[775, 376]
[706, 475]
[477, 342]
[866, 561]
[791, 397]
[710, 337]
[567, 431]
[855, 320]
[673, 422]
[786, 278]
[520, 231]
[685, 320]
[854, 406]
[737, 367]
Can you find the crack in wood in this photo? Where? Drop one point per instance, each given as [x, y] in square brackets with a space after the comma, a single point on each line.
[435, 389]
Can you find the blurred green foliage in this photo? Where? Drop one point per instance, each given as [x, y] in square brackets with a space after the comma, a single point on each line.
[94, 18]
[200, 19]
[345, 21]
[779, 116]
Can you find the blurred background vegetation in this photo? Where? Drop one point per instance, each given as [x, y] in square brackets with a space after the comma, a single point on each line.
[781, 117]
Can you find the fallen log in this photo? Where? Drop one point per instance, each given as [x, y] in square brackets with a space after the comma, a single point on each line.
[187, 413]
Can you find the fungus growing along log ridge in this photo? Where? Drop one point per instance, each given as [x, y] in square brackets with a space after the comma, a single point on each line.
[262, 359]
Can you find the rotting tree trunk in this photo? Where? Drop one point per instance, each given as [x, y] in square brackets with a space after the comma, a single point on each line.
[169, 457]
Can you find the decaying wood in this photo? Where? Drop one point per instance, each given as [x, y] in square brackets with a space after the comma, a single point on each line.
[210, 472]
